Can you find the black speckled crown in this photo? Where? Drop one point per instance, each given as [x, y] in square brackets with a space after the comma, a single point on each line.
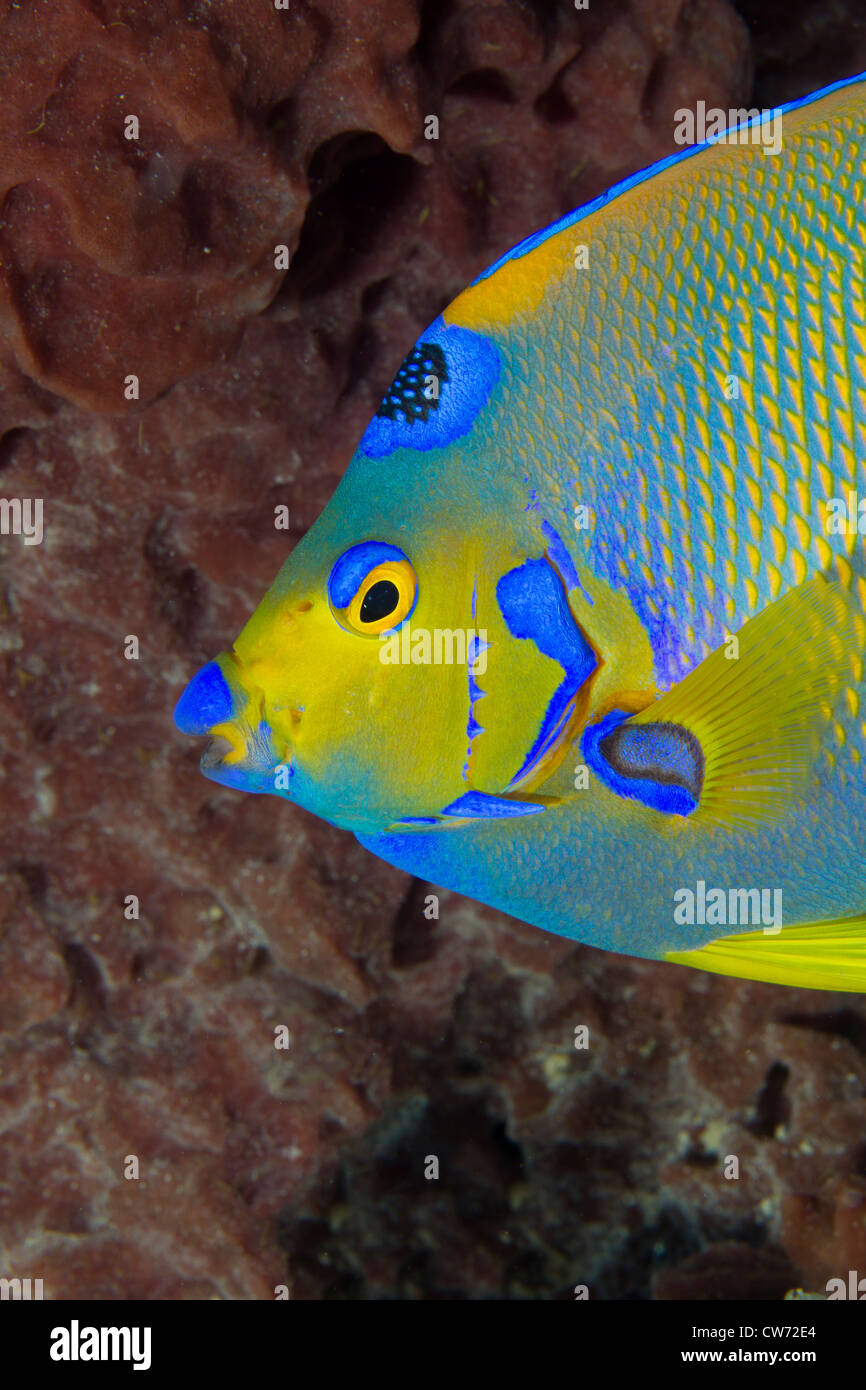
[406, 394]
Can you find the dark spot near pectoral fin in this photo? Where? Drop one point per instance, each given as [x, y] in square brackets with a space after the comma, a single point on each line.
[661, 764]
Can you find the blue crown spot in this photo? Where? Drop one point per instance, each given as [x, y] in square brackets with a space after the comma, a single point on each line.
[437, 393]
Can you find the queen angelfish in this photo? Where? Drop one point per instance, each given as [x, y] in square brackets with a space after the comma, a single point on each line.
[581, 633]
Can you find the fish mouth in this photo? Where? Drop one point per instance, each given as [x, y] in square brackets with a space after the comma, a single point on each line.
[248, 760]
[215, 753]
[242, 752]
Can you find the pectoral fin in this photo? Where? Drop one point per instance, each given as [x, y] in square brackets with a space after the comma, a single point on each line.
[735, 742]
[483, 806]
[477, 806]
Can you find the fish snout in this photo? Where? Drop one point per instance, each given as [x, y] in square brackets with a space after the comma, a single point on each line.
[207, 700]
[219, 701]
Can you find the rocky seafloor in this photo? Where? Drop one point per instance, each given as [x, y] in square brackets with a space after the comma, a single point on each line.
[153, 1035]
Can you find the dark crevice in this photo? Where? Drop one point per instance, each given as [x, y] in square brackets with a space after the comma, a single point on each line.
[697, 1157]
[553, 106]
[259, 960]
[509, 1150]
[474, 186]
[434, 16]
[374, 294]
[281, 118]
[843, 1023]
[772, 1108]
[363, 352]
[356, 180]
[672, 1238]
[738, 1265]
[177, 587]
[35, 880]
[653, 86]
[43, 727]
[548, 15]
[138, 966]
[330, 1129]
[12, 445]
[87, 990]
[485, 84]
[413, 936]
[798, 46]
[389, 1169]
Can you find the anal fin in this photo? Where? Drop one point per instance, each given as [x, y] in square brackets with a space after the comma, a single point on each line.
[813, 955]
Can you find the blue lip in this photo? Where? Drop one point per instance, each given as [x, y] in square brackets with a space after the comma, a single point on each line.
[206, 701]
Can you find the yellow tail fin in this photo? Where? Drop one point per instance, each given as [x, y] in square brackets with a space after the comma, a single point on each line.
[813, 955]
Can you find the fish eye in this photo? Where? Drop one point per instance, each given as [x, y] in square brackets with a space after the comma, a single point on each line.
[380, 601]
[372, 589]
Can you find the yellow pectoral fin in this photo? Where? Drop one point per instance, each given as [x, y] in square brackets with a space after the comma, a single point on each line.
[759, 706]
[814, 955]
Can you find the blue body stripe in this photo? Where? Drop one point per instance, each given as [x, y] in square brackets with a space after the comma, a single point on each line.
[534, 606]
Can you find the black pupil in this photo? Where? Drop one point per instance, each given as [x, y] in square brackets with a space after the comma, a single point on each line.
[380, 600]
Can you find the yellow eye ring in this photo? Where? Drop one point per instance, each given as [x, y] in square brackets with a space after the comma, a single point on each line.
[384, 599]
